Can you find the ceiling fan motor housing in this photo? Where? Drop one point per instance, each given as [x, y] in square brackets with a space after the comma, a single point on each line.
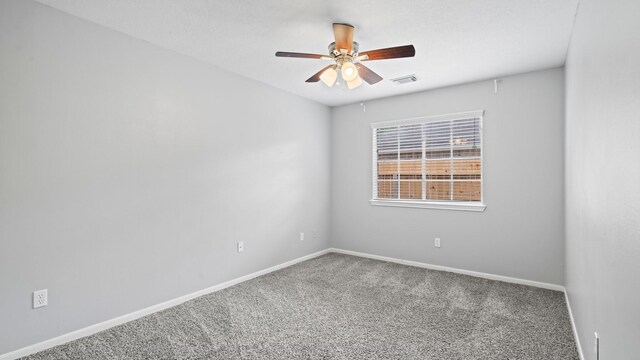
[335, 52]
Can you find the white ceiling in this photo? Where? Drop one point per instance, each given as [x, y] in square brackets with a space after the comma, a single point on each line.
[456, 41]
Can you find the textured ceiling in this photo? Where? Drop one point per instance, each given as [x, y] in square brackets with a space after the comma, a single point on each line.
[456, 41]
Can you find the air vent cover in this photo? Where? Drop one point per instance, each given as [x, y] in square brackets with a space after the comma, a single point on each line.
[405, 79]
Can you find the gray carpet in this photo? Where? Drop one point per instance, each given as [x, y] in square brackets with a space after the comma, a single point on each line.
[344, 307]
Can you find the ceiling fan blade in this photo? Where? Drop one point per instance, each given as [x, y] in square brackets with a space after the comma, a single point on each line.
[298, 55]
[367, 74]
[316, 76]
[343, 34]
[389, 53]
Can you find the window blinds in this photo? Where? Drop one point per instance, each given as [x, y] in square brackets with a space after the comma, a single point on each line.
[433, 159]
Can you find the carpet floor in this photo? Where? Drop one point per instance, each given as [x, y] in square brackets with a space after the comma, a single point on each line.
[344, 307]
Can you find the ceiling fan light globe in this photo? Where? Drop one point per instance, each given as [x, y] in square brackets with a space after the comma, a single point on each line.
[329, 76]
[349, 71]
[357, 81]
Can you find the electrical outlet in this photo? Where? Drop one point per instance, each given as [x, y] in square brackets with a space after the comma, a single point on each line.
[596, 345]
[40, 298]
[301, 236]
[240, 246]
[437, 242]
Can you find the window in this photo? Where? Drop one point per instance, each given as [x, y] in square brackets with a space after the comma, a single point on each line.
[433, 162]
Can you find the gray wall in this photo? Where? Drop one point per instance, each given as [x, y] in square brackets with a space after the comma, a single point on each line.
[128, 173]
[521, 232]
[603, 177]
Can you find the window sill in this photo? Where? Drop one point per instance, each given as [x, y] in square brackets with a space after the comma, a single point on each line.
[459, 206]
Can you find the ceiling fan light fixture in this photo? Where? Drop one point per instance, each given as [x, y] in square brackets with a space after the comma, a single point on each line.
[347, 59]
[354, 83]
[329, 76]
[349, 71]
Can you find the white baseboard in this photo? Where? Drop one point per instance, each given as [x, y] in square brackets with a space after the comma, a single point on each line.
[573, 326]
[453, 270]
[90, 330]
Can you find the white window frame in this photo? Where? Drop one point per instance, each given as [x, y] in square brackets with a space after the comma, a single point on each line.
[428, 204]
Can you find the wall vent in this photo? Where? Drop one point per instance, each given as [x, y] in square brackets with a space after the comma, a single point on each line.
[405, 79]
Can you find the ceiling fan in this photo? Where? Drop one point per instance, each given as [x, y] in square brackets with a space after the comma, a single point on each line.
[347, 60]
